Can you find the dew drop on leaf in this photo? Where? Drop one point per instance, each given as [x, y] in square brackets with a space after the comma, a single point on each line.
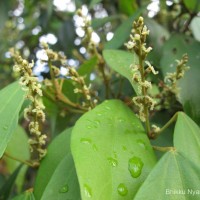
[87, 191]
[141, 144]
[86, 140]
[107, 108]
[113, 162]
[135, 166]
[64, 189]
[122, 189]
[89, 127]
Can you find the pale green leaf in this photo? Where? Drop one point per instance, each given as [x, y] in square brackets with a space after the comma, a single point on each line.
[63, 184]
[187, 138]
[52, 167]
[120, 61]
[111, 151]
[173, 178]
[178, 170]
[17, 150]
[11, 99]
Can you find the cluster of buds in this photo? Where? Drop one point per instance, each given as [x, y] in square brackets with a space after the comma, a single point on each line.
[172, 78]
[82, 88]
[53, 57]
[137, 44]
[137, 41]
[35, 111]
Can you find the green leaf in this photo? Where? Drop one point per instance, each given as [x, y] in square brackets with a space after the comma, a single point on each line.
[28, 195]
[64, 183]
[122, 32]
[177, 170]
[192, 5]
[53, 166]
[11, 99]
[94, 2]
[19, 151]
[189, 96]
[195, 27]
[187, 138]
[173, 174]
[8, 185]
[127, 6]
[120, 61]
[111, 151]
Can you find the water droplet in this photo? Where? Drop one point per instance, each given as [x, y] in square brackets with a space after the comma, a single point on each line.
[5, 127]
[64, 189]
[135, 166]
[89, 127]
[97, 122]
[86, 140]
[99, 114]
[107, 108]
[113, 162]
[141, 144]
[87, 191]
[94, 147]
[122, 189]
[121, 120]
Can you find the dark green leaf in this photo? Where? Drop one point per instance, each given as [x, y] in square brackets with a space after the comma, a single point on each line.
[111, 151]
[7, 187]
[127, 6]
[11, 99]
[192, 5]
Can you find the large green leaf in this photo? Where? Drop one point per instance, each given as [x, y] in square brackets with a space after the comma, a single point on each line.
[178, 170]
[120, 61]
[58, 163]
[173, 178]
[11, 99]
[189, 96]
[64, 183]
[187, 138]
[122, 32]
[111, 151]
[19, 151]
